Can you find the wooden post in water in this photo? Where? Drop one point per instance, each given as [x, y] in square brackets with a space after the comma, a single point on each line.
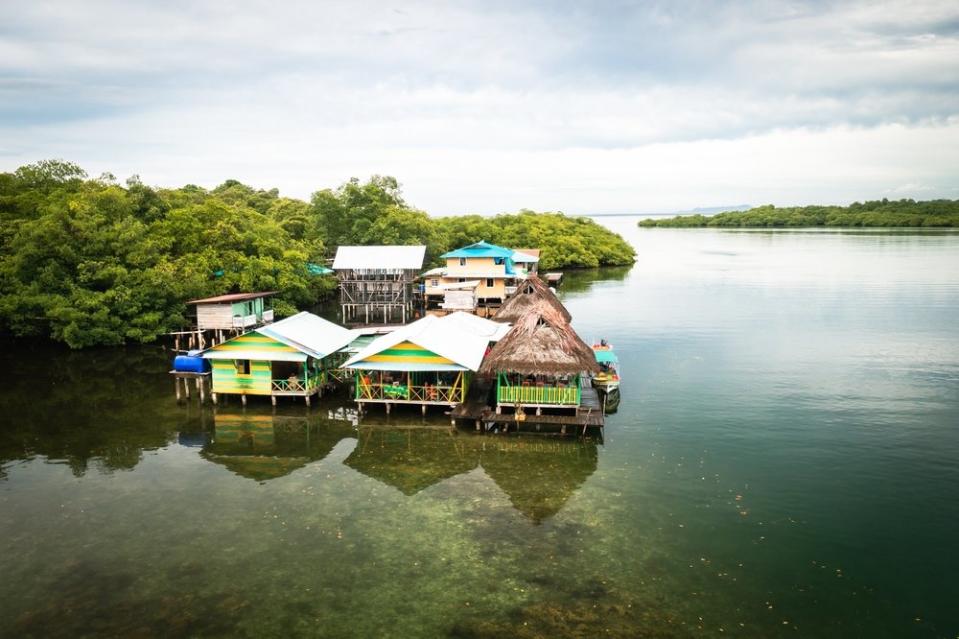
[213, 398]
[199, 388]
[186, 387]
[176, 385]
[243, 399]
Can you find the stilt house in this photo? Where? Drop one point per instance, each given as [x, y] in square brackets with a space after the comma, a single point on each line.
[376, 282]
[289, 358]
[480, 275]
[426, 363]
[541, 363]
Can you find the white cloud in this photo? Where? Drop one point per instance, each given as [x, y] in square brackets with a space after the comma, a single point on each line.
[492, 107]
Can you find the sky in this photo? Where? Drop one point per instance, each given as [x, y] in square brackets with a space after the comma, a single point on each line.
[487, 107]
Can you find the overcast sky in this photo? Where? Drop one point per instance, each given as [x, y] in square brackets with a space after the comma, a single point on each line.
[494, 106]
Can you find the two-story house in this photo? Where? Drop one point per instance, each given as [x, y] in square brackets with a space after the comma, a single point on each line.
[476, 276]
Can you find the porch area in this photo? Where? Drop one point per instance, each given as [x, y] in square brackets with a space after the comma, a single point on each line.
[538, 391]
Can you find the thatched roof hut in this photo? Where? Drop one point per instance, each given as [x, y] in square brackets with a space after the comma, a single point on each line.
[541, 343]
[530, 293]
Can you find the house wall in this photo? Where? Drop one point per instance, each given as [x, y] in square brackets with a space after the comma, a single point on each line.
[226, 379]
[473, 265]
[214, 316]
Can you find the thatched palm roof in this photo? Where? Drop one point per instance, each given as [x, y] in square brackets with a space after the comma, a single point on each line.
[541, 343]
[530, 293]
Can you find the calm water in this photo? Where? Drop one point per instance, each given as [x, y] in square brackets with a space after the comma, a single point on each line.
[784, 463]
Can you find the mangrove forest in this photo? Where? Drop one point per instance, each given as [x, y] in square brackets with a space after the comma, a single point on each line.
[876, 213]
[93, 261]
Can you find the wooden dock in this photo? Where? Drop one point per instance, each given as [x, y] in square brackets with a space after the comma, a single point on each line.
[478, 409]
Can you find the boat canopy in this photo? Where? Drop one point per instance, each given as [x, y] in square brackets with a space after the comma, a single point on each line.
[606, 357]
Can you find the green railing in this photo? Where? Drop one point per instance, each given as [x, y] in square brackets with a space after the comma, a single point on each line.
[558, 395]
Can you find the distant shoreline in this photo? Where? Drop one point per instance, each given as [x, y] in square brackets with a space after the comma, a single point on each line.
[873, 214]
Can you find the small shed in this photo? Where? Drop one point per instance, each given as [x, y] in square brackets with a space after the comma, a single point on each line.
[235, 311]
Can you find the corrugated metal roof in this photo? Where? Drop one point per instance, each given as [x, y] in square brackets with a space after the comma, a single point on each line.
[309, 333]
[525, 258]
[260, 355]
[379, 257]
[527, 251]
[450, 339]
[232, 297]
[493, 331]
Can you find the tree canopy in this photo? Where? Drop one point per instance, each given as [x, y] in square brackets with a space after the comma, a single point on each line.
[875, 213]
[91, 261]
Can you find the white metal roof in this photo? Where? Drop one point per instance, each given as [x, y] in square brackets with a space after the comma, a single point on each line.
[455, 340]
[492, 331]
[439, 270]
[524, 258]
[379, 257]
[309, 333]
[255, 354]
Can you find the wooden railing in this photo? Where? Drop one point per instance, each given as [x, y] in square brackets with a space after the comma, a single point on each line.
[402, 392]
[558, 395]
[295, 385]
[242, 321]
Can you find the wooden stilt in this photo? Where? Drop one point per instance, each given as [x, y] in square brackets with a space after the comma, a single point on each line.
[387, 408]
[478, 426]
[307, 398]
[424, 409]
[199, 388]
[243, 399]
[176, 385]
[273, 399]
[213, 398]
[186, 387]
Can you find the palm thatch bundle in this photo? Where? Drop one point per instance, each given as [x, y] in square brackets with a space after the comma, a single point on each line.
[541, 342]
[529, 295]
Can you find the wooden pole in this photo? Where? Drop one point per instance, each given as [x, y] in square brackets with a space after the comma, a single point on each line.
[176, 385]
[243, 399]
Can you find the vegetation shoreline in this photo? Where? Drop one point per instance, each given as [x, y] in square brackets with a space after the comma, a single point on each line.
[95, 262]
[872, 214]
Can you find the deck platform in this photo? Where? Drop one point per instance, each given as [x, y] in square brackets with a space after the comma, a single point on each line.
[477, 409]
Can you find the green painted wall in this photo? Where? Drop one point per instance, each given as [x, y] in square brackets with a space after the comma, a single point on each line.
[226, 378]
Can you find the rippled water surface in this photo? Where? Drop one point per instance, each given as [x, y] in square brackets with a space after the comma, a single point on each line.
[783, 463]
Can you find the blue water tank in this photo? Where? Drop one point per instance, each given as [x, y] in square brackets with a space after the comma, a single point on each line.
[190, 364]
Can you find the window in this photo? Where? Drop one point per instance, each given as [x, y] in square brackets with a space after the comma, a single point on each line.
[461, 280]
[242, 366]
[499, 261]
[462, 261]
[434, 282]
[489, 282]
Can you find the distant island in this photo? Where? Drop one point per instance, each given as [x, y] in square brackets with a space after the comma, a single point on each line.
[93, 261]
[875, 213]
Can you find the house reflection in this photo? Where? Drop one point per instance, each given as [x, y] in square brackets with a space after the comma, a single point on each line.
[538, 475]
[265, 446]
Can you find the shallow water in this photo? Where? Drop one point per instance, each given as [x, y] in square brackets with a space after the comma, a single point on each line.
[783, 463]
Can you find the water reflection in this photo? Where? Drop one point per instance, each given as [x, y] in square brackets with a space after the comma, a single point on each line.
[264, 447]
[538, 475]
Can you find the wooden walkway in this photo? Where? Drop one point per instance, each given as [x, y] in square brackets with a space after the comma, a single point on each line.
[478, 408]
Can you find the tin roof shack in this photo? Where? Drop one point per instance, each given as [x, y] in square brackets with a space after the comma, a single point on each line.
[289, 358]
[234, 312]
[540, 363]
[426, 363]
[377, 281]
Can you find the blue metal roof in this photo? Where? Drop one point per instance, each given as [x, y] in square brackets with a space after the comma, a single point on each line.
[480, 249]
